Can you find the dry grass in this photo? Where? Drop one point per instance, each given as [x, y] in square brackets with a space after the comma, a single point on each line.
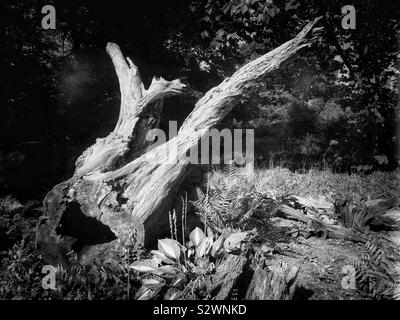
[376, 185]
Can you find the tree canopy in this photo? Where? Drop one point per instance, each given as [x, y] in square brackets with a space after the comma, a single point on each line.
[337, 104]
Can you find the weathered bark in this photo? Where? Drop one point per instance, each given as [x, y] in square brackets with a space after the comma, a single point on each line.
[76, 203]
[276, 281]
[123, 187]
[227, 276]
[139, 112]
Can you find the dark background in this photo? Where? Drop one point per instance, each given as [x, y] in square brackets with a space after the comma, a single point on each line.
[61, 91]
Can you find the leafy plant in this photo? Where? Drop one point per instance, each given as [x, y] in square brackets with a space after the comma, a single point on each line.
[182, 269]
[375, 270]
[356, 214]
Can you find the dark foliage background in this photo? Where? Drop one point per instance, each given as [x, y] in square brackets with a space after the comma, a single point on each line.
[335, 107]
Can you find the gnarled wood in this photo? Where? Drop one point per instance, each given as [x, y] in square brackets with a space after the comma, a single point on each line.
[80, 197]
[117, 181]
[227, 276]
[140, 111]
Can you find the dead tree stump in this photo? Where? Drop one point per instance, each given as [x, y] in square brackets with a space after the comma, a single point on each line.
[120, 190]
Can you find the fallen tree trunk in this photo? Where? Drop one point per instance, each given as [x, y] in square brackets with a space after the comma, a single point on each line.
[122, 191]
[331, 231]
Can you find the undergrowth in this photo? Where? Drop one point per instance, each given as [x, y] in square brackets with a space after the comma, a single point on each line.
[21, 269]
[237, 203]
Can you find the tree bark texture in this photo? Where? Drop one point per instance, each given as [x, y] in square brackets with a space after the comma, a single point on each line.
[122, 189]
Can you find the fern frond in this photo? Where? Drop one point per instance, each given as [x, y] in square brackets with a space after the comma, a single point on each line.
[230, 170]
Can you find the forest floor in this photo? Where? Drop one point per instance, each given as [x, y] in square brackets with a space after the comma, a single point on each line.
[332, 255]
[322, 268]
[321, 261]
[324, 261]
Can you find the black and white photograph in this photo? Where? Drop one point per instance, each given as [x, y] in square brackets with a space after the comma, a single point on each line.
[217, 151]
